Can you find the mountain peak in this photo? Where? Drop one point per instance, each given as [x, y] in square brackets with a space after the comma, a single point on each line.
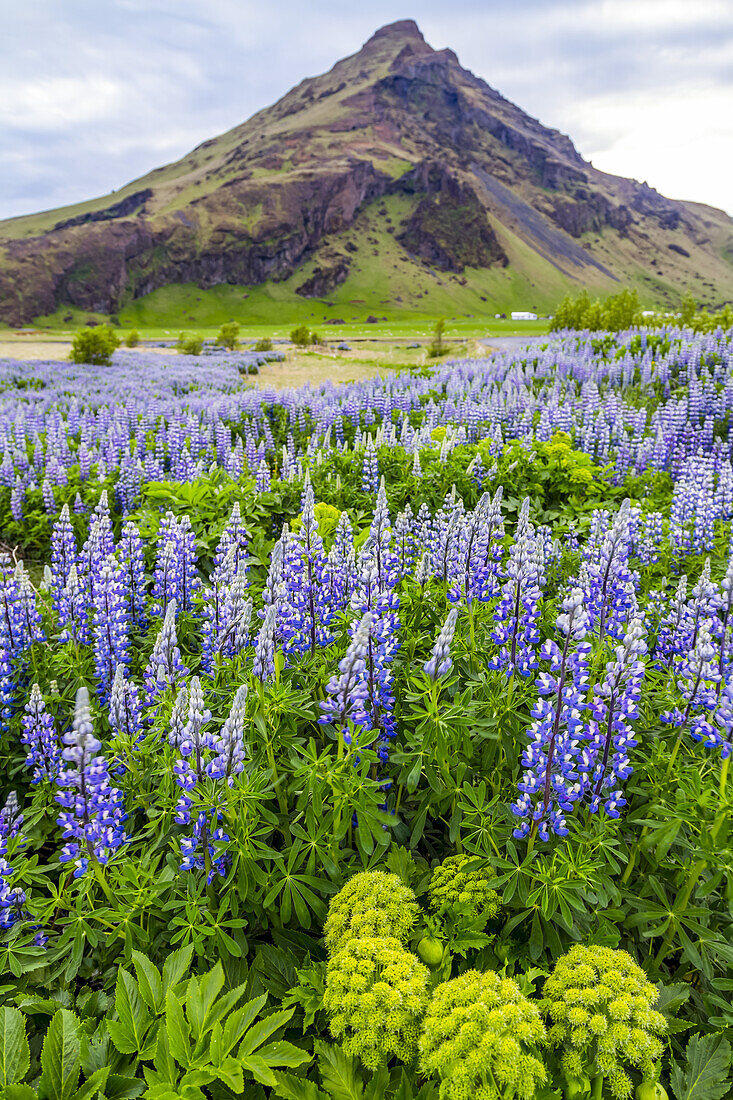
[402, 29]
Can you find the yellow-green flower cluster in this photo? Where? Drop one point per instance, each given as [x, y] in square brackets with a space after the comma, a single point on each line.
[372, 903]
[600, 1004]
[457, 887]
[376, 993]
[481, 1036]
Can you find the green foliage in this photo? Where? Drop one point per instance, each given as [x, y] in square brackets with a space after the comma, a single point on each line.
[615, 314]
[133, 338]
[706, 1073]
[482, 1037]
[302, 337]
[376, 993]
[460, 886]
[265, 344]
[94, 345]
[228, 335]
[437, 346]
[371, 904]
[189, 344]
[600, 1004]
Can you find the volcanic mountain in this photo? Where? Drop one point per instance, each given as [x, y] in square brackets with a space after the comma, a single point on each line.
[398, 177]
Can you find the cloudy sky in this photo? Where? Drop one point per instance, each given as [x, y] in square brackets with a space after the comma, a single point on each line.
[96, 92]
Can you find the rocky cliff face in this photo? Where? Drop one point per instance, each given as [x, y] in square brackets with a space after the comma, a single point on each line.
[474, 175]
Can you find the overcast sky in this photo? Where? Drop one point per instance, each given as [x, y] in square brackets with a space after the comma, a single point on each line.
[96, 92]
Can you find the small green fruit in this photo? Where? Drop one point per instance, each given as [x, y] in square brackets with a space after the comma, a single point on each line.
[650, 1090]
[430, 951]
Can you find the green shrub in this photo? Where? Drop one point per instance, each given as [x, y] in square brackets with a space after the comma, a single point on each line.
[191, 344]
[228, 336]
[133, 338]
[301, 336]
[481, 1037]
[372, 903]
[600, 1004]
[376, 994]
[265, 344]
[94, 345]
[437, 347]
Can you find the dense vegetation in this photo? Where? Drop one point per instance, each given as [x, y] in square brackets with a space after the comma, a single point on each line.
[623, 310]
[369, 741]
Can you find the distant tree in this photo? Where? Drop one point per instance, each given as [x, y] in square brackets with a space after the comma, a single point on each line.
[689, 309]
[94, 345]
[301, 336]
[437, 346]
[133, 338]
[228, 336]
[189, 344]
[265, 344]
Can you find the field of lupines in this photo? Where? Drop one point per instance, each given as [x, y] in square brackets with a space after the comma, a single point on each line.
[369, 741]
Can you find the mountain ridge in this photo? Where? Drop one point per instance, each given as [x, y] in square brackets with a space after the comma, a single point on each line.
[397, 151]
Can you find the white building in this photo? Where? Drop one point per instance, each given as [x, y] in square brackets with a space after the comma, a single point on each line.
[522, 315]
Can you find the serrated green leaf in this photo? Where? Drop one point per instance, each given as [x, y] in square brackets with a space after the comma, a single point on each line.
[262, 1030]
[15, 1055]
[96, 1083]
[339, 1073]
[60, 1058]
[283, 1053]
[260, 1070]
[177, 1029]
[290, 1087]
[176, 966]
[705, 1076]
[149, 981]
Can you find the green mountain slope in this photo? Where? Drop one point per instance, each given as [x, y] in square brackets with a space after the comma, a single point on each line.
[396, 178]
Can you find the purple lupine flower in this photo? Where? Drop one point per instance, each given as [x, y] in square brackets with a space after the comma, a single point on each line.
[166, 667]
[125, 712]
[74, 610]
[64, 554]
[517, 612]
[440, 661]
[340, 568]
[229, 745]
[651, 537]
[304, 614]
[131, 556]
[348, 693]
[382, 644]
[49, 499]
[370, 468]
[94, 813]
[603, 760]
[480, 552]
[110, 624]
[17, 499]
[262, 479]
[716, 731]
[674, 626]
[12, 898]
[195, 743]
[264, 662]
[231, 552]
[39, 737]
[550, 784]
[608, 583]
[695, 675]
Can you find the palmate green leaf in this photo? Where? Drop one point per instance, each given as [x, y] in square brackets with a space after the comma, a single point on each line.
[15, 1055]
[706, 1073]
[60, 1058]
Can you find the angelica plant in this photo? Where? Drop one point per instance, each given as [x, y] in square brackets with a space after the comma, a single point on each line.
[376, 994]
[372, 903]
[483, 1038]
[459, 887]
[599, 1003]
